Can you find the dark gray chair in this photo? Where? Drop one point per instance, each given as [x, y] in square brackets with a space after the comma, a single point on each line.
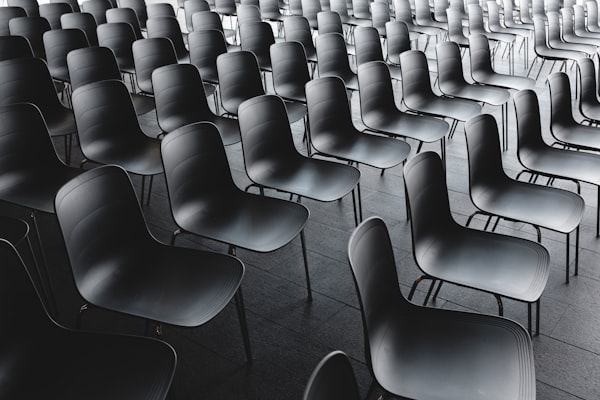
[332, 377]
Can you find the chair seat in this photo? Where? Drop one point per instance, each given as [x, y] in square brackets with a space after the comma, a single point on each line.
[141, 156]
[295, 111]
[491, 95]
[13, 230]
[501, 37]
[503, 80]
[448, 355]
[143, 104]
[350, 80]
[412, 126]
[575, 135]
[61, 122]
[558, 162]
[591, 111]
[458, 109]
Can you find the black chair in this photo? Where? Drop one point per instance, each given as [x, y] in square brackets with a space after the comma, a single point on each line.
[495, 194]
[6, 14]
[160, 10]
[136, 367]
[417, 352]
[368, 48]
[204, 20]
[418, 96]
[31, 7]
[257, 37]
[537, 158]
[27, 80]
[57, 44]
[332, 59]
[83, 21]
[503, 266]
[205, 46]
[331, 22]
[270, 11]
[272, 160]
[149, 54]
[206, 202]
[53, 11]
[14, 47]
[139, 6]
[342, 8]
[379, 112]
[109, 131]
[168, 27]
[73, 3]
[247, 13]
[97, 8]
[119, 37]
[127, 15]
[296, 28]
[105, 234]
[180, 100]
[190, 7]
[33, 29]
[332, 378]
[588, 103]
[31, 172]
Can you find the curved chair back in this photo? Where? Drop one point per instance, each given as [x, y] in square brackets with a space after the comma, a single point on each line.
[127, 15]
[225, 7]
[193, 6]
[416, 85]
[31, 7]
[33, 29]
[592, 16]
[439, 10]
[149, 54]
[73, 3]
[403, 12]
[247, 13]
[368, 45]
[481, 61]
[290, 70]
[53, 11]
[257, 37]
[168, 27]
[455, 31]
[58, 43]
[380, 15]
[310, 9]
[529, 130]
[328, 108]
[332, 56]
[476, 19]
[14, 47]
[239, 79]
[97, 8]
[398, 40]
[155, 10]
[83, 21]
[205, 46]
[376, 92]
[92, 64]
[204, 20]
[450, 69]
[119, 37]
[296, 28]
[139, 6]
[329, 22]
[332, 378]
[360, 9]
[588, 84]
[6, 14]
[561, 112]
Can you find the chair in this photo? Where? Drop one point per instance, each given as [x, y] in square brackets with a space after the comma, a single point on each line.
[97, 8]
[119, 37]
[205, 46]
[332, 57]
[31, 7]
[149, 54]
[589, 106]
[204, 20]
[155, 10]
[592, 16]
[296, 28]
[330, 22]
[168, 27]
[568, 30]
[310, 9]
[522, 21]
[97, 214]
[537, 158]
[424, 17]
[198, 178]
[6, 14]
[379, 112]
[397, 41]
[27, 80]
[495, 26]
[193, 6]
[380, 15]
[180, 100]
[557, 41]
[452, 83]
[272, 160]
[455, 28]
[482, 71]
[495, 194]
[139, 6]
[417, 352]
[14, 47]
[418, 96]
[580, 24]
[403, 12]
[140, 367]
[270, 11]
[126, 15]
[332, 377]
[73, 3]
[33, 29]
[53, 11]
[95, 64]
[290, 74]
[109, 132]
[257, 38]
[83, 21]
[341, 7]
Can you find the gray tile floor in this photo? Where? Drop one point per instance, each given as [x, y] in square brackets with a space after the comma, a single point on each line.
[290, 335]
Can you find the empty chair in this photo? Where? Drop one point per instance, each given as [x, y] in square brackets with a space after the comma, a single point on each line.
[73, 3]
[494, 25]
[558, 42]
[380, 15]
[310, 9]
[6, 14]
[168, 27]
[515, 20]
[205, 46]
[455, 28]
[109, 132]
[568, 30]
[199, 178]
[140, 367]
[160, 10]
[332, 377]
[341, 7]
[127, 15]
[119, 37]
[403, 12]
[333, 60]
[330, 22]
[139, 6]
[537, 158]
[257, 37]
[83, 21]
[193, 6]
[589, 106]
[417, 352]
[424, 17]
[14, 47]
[247, 13]
[53, 11]
[296, 28]
[105, 234]
[97, 8]
[290, 73]
[379, 112]
[592, 16]
[418, 96]
[495, 194]
[204, 20]
[397, 41]
[33, 29]
[579, 23]
[270, 11]
[149, 54]
[31, 7]
[239, 79]
[180, 100]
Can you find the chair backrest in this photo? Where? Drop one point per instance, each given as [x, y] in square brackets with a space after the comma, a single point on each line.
[340, 7]
[257, 37]
[481, 60]
[205, 46]
[239, 79]
[422, 12]
[455, 30]
[416, 84]
[380, 15]
[592, 13]
[33, 29]
[560, 99]
[58, 43]
[149, 54]
[179, 96]
[295, 7]
[398, 40]
[329, 22]
[269, 8]
[14, 47]
[475, 19]
[494, 16]
[554, 31]
[368, 45]
[567, 19]
[328, 108]
[84, 21]
[525, 14]
[167, 27]
[290, 70]
[375, 88]
[450, 69]
[439, 10]
[579, 19]
[31, 7]
[139, 6]
[6, 14]
[529, 129]
[73, 3]
[539, 33]
[332, 378]
[203, 20]
[126, 15]
[53, 11]
[403, 12]
[588, 83]
[247, 13]
[538, 8]
[297, 29]
[332, 55]
[119, 37]
[97, 8]
[160, 10]
[225, 7]
[193, 6]
[92, 64]
[555, 5]
[310, 9]
[360, 9]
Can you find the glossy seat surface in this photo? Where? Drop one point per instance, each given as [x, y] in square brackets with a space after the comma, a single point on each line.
[332, 59]
[332, 377]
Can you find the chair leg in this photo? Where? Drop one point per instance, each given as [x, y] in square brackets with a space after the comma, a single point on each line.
[529, 319]
[149, 189]
[415, 284]
[433, 281]
[174, 235]
[306, 271]
[45, 281]
[500, 305]
[437, 291]
[567, 258]
[241, 311]
[577, 251]
[79, 319]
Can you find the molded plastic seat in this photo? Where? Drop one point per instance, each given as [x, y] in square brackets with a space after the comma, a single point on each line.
[168, 27]
[206, 202]
[33, 29]
[139, 6]
[193, 6]
[83, 21]
[73, 3]
[495, 194]
[203, 20]
[540, 159]
[580, 21]
[14, 47]
[513, 19]
[455, 27]
[6, 14]
[149, 54]
[180, 100]
[368, 48]
[424, 16]
[257, 37]
[592, 16]
[379, 112]
[397, 41]
[589, 105]
[332, 377]
[568, 30]
[556, 40]
[136, 367]
[106, 235]
[239, 79]
[119, 37]
[98, 9]
[205, 46]
[58, 43]
[332, 57]
[310, 9]
[501, 265]
[296, 28]
[429, 353]
[31, 7]
[53, 11]
[160, 10]
[380, 15]
[127, 15]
